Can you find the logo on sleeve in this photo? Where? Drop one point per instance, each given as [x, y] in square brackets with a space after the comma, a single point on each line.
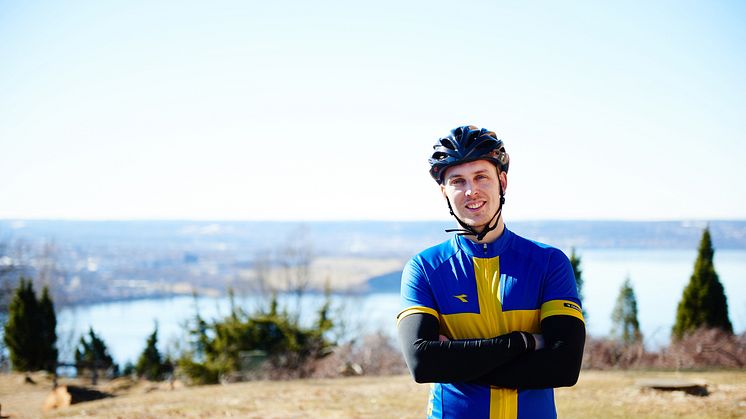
[573, 306]
[461, 297]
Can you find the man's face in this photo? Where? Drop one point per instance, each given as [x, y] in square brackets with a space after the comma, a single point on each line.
[474, 191]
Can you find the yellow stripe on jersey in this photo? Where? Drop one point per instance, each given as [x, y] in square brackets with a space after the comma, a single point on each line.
[523, 320]
[487, 275]
[491, 320]
[503, 403]
[473, 326]
[414, 310]
[561, 307]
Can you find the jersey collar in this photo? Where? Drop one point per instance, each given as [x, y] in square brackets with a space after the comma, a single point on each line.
[485, 250]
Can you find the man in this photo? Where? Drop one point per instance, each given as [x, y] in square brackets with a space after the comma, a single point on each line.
[492, 319]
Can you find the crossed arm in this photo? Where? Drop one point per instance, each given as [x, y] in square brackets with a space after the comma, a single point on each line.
[505, 361]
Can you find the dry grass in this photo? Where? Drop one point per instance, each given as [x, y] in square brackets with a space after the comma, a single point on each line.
[615, 394]
[340, 273]
[606, 394]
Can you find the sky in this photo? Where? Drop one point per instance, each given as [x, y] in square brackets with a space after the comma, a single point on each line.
[328, 110]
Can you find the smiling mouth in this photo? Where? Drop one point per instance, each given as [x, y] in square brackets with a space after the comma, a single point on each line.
[475, 205]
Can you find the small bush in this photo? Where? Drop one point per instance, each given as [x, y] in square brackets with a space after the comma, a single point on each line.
[227, 349]
[703, 348]
[150, 364]
[604, 354]
[376, 354]
[92, 356]
[707, 348]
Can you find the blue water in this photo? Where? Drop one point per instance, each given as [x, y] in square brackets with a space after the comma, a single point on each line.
[125, 325]
[658, 278]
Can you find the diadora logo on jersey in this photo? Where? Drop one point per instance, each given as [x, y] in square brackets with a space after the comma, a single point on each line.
[461, 297]
[573, 306]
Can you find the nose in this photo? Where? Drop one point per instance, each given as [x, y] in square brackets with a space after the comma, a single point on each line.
[469, 190]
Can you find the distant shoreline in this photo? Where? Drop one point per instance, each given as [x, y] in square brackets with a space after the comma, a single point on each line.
[377, 237]
[213, 294]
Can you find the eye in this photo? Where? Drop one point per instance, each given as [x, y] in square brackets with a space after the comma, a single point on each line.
[457, 181]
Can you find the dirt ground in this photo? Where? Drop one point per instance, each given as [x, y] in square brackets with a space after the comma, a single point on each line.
[598, 394]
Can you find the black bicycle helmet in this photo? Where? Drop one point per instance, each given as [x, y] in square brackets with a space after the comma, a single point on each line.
[465, 144]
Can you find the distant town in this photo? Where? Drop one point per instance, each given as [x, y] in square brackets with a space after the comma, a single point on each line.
[94, 261]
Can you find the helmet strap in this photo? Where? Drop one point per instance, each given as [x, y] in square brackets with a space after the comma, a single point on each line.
[467, 230]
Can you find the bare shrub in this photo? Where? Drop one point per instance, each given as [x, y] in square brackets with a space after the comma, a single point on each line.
[704, 348]
[604, 354]
[375, 354]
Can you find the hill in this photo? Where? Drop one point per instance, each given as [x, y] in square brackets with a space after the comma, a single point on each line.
[597, 394]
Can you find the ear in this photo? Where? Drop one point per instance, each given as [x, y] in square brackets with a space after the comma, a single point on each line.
[443, 190]
[504, 181]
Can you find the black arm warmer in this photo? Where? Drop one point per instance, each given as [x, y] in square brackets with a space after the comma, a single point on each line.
[430, 360]
[557, 365]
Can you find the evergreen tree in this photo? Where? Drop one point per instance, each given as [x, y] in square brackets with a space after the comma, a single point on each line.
[19, 330]
[129, 369]
[48, 320]
[625, 326]
[150, 364]
[703, 303]
[30, 331]
[92, 354]
[575, 263]
[235, 343]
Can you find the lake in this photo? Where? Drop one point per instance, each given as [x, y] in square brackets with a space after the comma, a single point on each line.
[658, 278]
[125, 325]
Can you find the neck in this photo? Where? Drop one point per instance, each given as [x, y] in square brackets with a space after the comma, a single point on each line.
[492, 235]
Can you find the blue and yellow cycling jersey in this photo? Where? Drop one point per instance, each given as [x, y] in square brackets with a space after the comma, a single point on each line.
[486, 290]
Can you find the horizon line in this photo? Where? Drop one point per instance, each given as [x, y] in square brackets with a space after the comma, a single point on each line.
[360, 220]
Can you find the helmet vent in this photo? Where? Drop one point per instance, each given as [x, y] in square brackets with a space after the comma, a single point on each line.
[467, 143]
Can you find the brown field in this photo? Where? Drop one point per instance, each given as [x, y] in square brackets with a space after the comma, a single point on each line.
[598, 394]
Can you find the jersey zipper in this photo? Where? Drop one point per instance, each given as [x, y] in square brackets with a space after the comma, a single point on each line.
[484, 246]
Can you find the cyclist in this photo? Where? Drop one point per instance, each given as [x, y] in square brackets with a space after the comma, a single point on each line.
[491, 318]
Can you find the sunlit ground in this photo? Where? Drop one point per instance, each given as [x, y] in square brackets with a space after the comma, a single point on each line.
[609, 394]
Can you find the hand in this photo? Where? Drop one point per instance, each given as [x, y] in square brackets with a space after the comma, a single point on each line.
[443, 338]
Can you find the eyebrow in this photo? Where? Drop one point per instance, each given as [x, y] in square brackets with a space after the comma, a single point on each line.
[458, 175]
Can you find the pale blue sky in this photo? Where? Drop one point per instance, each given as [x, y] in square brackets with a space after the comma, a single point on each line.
[328, 110]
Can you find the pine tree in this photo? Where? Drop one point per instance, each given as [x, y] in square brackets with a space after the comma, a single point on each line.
[575, 263]
[703, 303]
[20, 328]
[30, 331]
[625, 326]
[149, 364]
[48, 321]
[92, 354]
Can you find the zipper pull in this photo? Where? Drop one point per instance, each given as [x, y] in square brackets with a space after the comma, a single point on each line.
[485, 247]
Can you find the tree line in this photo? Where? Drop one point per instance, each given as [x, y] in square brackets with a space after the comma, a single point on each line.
[217, 350]
[271, 343]
[703, 303]
[701, 336]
